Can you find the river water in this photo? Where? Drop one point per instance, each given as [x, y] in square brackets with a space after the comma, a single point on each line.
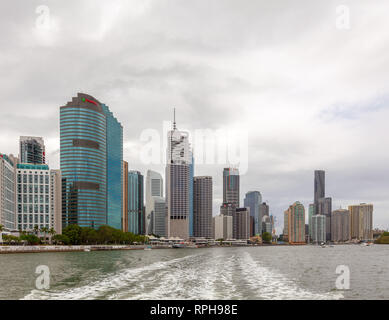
[282, 272]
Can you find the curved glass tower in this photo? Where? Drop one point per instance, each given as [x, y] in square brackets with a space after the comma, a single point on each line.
[83, 131]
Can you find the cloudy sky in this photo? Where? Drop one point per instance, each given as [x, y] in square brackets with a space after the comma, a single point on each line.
[309, 85]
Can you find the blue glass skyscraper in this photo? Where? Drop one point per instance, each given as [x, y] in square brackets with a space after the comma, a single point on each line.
[136, 219]
[91, 146]
[253, 200]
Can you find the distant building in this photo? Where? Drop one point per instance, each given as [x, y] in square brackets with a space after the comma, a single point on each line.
[154, 189]
[340, 226]
[32, 150]
[267, 225]
[253, 200]
[136, 223]
[296, 223]
[159, 215]
[286, 226]
[56, 200]
[319, 187]
[228, 209]
[125, 197]
[7, 192]
[202, 207]
[223, 227]
[241, 224]
[231, 182]
[319, 228]
[361, 217]
[264, 212]
[311, 212]
[325, 208]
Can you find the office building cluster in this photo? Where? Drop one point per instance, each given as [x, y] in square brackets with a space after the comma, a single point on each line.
[324, 224]
[95, 186]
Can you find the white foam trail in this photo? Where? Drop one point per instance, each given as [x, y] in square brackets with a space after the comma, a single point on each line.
[268, 284]
[101, 287]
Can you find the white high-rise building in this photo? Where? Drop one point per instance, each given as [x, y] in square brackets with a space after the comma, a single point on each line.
[178, 167]
[319, 228]
[7, 192]
[154, 190]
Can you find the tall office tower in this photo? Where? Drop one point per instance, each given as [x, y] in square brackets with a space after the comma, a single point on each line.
[286, 226]
[267, 225]
[231, 186]
[361, 220]
[318, 228]
[253, 200]
[38, 197]
[159, 215]
[56, 200]
[325, 208]
[319, 186]
[311, 212]
[202, 207]
[154, 189]
[227, 209]
[32, 150]
[191, 196]
[114, 169]
[125, 197]
[264, 211]
[252, 226]
[222, 227]
[178, 183]
[91, 164]
[340, 225]
[241, 224]
[296, 223]
[136, 223]
[7, 192]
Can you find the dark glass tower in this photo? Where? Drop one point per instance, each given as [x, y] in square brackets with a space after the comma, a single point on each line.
[231, 186]
[136, 218]
[319, 186]
[32, 150]
[87, 129]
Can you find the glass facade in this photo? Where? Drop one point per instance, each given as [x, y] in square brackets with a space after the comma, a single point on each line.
[83, 132]
[191, 217]
[135, 203]
[114, 170]
[253, 200]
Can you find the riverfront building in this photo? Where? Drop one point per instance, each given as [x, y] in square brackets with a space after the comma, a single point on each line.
[202, 205]
[223, 227]
[361, 220]
[318, 228]
[241, 224]
[340, 226]
[91, 162]
[7, 192]
[159, 215]
[136, 221]
[296, 223]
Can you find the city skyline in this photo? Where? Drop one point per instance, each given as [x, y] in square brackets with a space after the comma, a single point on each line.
[142, 90]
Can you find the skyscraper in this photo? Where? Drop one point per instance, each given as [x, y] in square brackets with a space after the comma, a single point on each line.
[361, 220]
[159, 215]
[91, 161]
[318, 228]
[222, 227]
[340, 225]
[311, 212]
[241, 224]
[154, 189]
[325, 208]
[178, 183]
[7, 192]
[253, 200]
[136, 223]
[32, 150]
[202, 206]
[296, 223]
[56, 200]
[319, 186]
[191, 196]
[114, 144]
[231, 186]
[125, 197]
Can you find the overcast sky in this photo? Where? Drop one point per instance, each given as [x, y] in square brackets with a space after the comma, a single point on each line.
[311, 94]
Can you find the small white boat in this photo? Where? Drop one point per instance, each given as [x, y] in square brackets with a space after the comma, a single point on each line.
[148, 248]
[86, 249]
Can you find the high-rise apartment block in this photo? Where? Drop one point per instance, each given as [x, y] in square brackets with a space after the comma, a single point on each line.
[296, 223]
[361, 221]
[241, 224]
[340, 226]
[223, 227]
[154, 190]
[231, 186]
[136, 223]
[8, 192]
[318, 228]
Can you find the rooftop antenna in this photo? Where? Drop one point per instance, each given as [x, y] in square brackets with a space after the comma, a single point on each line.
[174, 122]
